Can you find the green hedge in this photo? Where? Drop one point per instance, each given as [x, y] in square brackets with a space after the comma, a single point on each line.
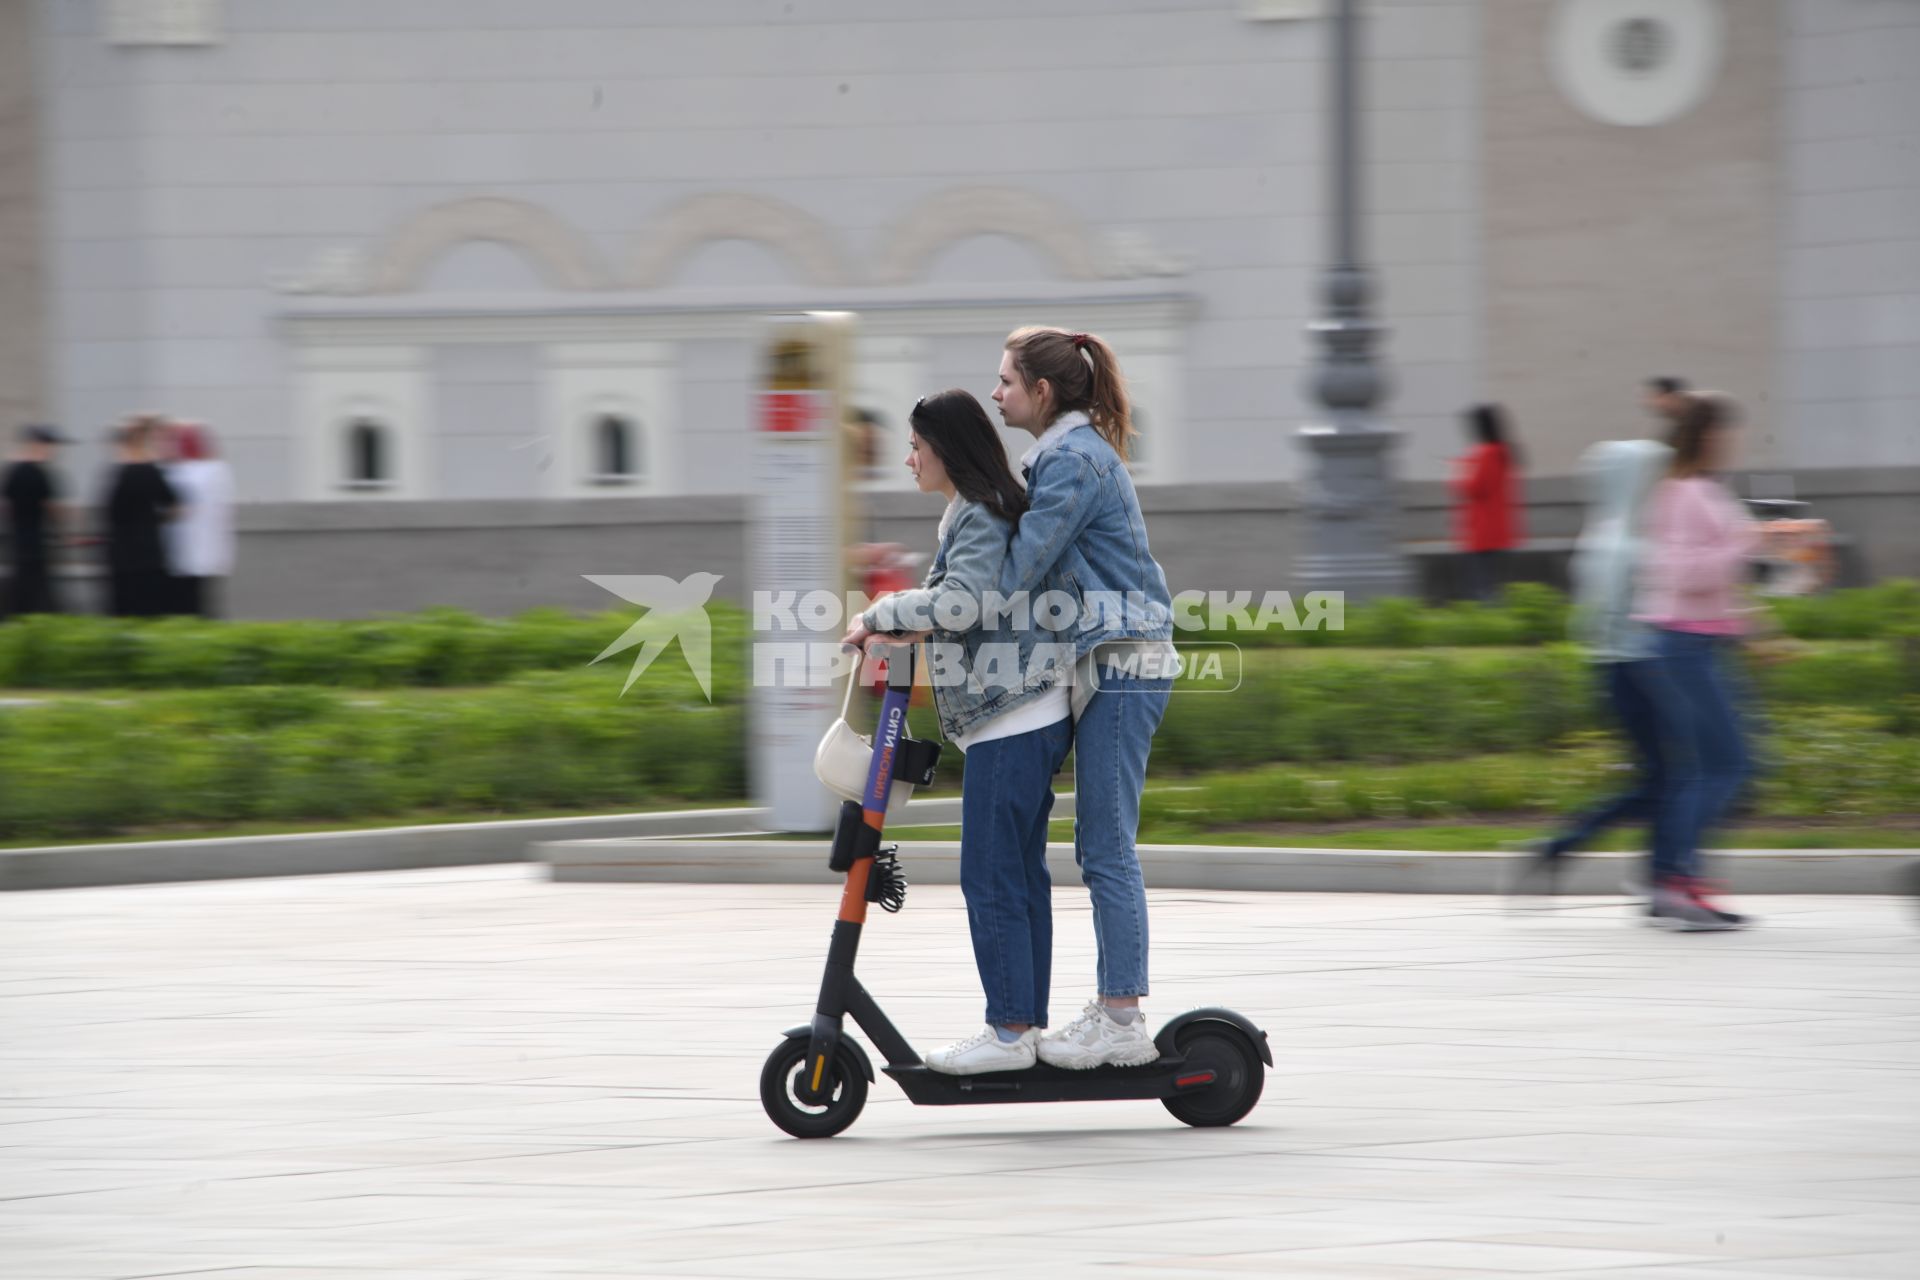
[443, 648]
[1530, 613]
[1889, 609]
[446, 648]
[1832, 765]
[1437, 705]
[1398, 706]
[77, 764]
[85, 766]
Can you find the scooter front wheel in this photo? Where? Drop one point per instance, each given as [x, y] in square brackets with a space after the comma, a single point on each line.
[846, 1088]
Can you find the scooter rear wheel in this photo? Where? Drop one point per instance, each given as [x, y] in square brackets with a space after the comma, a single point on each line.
[1237, 1070]
[846, 1086]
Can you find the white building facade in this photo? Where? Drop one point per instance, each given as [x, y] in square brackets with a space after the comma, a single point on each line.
[436, 250]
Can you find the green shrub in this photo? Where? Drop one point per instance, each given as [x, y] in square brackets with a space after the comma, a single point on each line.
[1857, 613]
[79, 766]
[1391, 623]
[1379, 706]
[1833, 765]
[444, 648]
[1410, 732]
[1538, 611]
[447, 648]
[54, 651]
[1468, 623]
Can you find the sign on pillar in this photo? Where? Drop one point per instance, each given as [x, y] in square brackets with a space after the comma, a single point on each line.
[798, 553]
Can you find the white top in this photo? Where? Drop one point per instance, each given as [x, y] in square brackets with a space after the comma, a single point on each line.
[946, 517]
[1049, 708]
[1054, 434]
[200, 537]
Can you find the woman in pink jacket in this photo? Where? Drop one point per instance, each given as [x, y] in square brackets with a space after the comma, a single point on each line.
[1698, 543]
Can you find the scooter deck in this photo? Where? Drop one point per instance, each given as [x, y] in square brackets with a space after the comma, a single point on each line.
[1164, 1077]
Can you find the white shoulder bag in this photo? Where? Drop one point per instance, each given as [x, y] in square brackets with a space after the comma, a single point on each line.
[844, 756]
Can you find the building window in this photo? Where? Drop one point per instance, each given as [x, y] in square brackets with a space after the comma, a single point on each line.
[1639, 45]
[618, 450]
[369, 464]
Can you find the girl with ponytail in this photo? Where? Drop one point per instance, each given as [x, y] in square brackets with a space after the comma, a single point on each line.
[1083, 531]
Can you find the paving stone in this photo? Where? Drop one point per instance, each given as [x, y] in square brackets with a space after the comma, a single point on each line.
[475, 1073]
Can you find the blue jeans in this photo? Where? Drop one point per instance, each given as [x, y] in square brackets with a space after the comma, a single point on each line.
[1698, 715]
[1632, 691]
[1006, 795]
[1112, 742]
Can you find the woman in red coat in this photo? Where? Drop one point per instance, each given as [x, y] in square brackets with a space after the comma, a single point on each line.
[1487, 484]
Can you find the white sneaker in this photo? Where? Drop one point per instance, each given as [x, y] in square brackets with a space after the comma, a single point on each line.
[1094, 1039]
[984, 1050]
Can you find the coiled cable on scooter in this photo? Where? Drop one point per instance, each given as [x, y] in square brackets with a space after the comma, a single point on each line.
[887, 882]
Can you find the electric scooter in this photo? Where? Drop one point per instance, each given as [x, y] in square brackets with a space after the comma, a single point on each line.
[814, 1084]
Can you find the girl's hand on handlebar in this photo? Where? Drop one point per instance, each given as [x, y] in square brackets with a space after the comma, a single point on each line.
[857, 637]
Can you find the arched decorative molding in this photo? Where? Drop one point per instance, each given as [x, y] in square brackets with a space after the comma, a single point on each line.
[799, 237]
[964, 212]
[563, 257]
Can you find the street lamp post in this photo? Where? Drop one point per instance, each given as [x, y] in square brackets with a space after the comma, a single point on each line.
[1349, 502]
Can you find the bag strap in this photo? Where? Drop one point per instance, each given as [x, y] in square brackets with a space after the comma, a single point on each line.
[853, 682]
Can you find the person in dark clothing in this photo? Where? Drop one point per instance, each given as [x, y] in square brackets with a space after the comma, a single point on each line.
[139, 502]
[31, 492]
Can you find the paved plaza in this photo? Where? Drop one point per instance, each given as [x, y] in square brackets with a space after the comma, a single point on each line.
[476, 1073]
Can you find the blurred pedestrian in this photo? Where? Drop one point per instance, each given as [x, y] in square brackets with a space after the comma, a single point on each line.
[200, 537]
[1699, 538]
[139, 501]
[31, 492]
[1487, 486]
[1666, 398]
[1619, 477]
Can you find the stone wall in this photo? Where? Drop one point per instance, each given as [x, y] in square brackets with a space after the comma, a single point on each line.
[346, 560]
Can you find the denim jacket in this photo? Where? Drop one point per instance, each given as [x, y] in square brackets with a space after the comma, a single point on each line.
[983, 659]
[1083, 531]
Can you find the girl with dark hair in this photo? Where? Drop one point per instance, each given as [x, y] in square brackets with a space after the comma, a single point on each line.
[999, 687]
[1487, 486]
[1698, 542]
[1083, 525]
